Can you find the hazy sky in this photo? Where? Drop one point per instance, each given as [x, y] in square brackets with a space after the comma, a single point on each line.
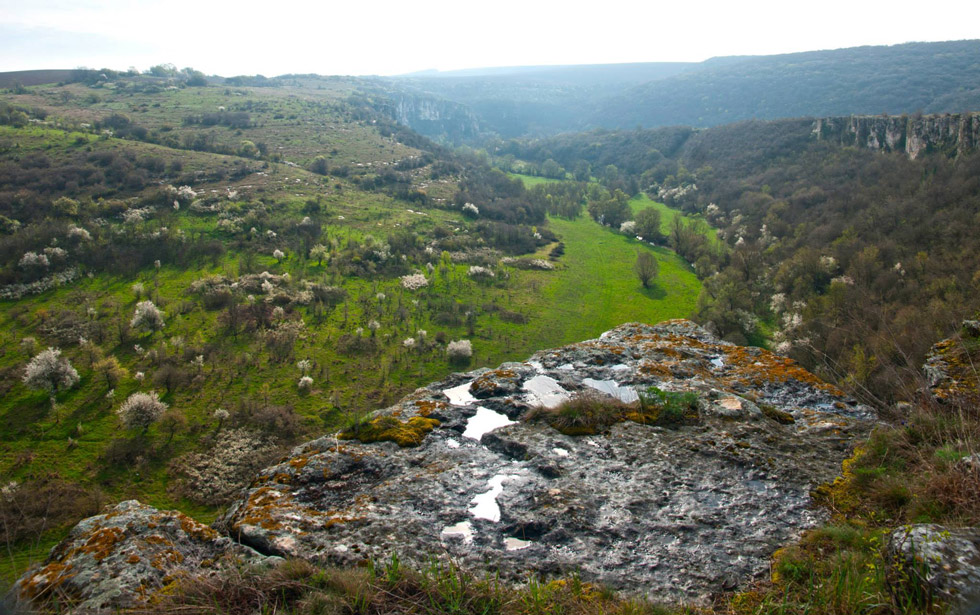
[397, 36]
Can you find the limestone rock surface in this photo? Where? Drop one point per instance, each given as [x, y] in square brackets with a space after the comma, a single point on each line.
[673, 511]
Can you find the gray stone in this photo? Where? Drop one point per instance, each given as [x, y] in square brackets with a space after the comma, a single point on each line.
[676, 512]
[118, 559]
[946, 562]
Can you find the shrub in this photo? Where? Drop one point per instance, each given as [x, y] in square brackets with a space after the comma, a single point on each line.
[215, 476]
[459, 351]
[140, 410]
[414, 281]
[51, 372]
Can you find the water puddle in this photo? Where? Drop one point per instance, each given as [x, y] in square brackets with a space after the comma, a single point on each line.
[537, 365]
[718, 362]
[485, 505]
[626, 394]
[620, 367]
[560, 451]
[567, 367]
[545, 391]
[452, 443]
[484, 421]
[463, 528]
[460, 396]
[516, 544]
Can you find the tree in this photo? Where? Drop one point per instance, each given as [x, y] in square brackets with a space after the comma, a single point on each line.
[319, 252]
[319, 166]
[648, 225]
[110, 369]
[51, 372]
[646, 268]
[147, 317]
[140, 410]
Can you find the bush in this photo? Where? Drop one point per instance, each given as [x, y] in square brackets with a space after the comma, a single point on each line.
[459, 351]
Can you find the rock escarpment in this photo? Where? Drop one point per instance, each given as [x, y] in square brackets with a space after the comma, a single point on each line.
[951, 133]
[673, 509]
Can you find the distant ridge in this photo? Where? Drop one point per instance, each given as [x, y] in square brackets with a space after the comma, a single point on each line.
[33, 77]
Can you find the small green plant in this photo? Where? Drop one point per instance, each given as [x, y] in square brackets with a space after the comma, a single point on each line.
[667, 407]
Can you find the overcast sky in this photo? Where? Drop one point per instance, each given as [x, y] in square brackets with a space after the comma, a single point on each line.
[388, 37]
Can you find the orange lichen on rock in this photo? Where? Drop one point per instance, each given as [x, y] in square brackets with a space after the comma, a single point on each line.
[102, 542]
[197, 531]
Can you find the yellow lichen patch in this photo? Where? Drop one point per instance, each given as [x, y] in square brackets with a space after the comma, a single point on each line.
[841, 495]
[756, 367]
[133, 559]
[299, 463]
[282, 478]
[101, 543]
[389, 429]
[195, 530]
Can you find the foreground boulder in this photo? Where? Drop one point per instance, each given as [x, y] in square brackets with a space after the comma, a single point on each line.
[118, 559]
[944, 561]
[674, 509]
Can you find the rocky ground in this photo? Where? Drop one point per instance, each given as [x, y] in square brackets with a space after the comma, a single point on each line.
[675, 510]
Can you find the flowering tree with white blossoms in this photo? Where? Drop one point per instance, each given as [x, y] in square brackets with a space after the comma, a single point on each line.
[414, 281]
[147, 317]
[51, 372]
[140, 410]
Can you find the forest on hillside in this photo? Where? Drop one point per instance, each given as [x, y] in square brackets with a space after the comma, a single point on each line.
[852, 260]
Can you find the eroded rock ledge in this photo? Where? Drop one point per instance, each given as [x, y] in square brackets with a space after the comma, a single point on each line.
[677, 511]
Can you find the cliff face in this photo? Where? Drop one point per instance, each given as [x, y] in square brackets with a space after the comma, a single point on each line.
[435, 118]
[680, 497]
[952, 134]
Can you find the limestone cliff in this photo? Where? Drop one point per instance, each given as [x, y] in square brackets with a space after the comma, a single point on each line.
[952, 134]
[681, 496]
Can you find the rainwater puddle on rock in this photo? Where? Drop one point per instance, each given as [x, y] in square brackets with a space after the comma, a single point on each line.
[460, 396]
[545, 391]
[538, 367]
[463, 528]
[516, 544]
[619, 367]
[567, 367]
[485, 420]
[560, 451]
[626, 394]
[452, 443]
[718, 362]
[485, 505]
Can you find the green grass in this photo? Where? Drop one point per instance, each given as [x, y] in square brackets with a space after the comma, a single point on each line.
[531, 181]
[597, 290]
[667, 215]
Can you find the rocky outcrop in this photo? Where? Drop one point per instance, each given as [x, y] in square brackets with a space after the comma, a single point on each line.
[944, 561]
[950, 133]
[120, 558]
[950, 368]
[674, 511]
[681, 496]
[435, 117]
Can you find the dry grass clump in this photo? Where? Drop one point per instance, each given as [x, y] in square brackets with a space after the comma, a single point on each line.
[298, 587]
[591, 412]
